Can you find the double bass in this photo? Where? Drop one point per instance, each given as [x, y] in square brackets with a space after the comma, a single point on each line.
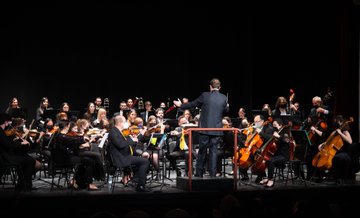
[323, 159]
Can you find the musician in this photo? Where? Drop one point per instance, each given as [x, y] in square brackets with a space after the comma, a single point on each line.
[91, 113]
[281, 155]
[64, 140]
[13, 104]
[318, 122]
[242, 116]
[177, 152]
[7, 156]
[101, 121]
[130, 104]
[121, 149]
[227, 146]
[44, 105]
[265, 131]
[148, 112]
[281, 107]
[86, 149]
[213, 106]
[98, 104]
[123, 109]
[342, 161]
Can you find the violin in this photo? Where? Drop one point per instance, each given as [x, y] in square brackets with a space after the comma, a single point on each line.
[132, 130]
[71, 133]
[54, 129]
[13, 132]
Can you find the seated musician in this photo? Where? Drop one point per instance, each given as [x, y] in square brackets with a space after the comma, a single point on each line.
[227, 145]
[101, 121]
[343, 164]
[19, 135]
[65, 140]
[87, 149]
[177, 152]
[281, 155]
[265, 130]
[120, 147]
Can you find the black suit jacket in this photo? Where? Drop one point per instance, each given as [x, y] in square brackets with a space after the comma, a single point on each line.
[213, 106]
[119, 147]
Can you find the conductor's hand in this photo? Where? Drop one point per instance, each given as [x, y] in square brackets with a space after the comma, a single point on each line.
[177, 103]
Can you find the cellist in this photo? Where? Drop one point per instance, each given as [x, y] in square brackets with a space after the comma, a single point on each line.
[265, 130]
[279, 144]
[341, 163]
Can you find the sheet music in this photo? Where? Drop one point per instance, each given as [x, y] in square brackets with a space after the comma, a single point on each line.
[102, 142]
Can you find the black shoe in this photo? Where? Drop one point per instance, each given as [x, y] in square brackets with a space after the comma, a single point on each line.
[244, 179]
[198, 175]
[258, 179]
[142, 188]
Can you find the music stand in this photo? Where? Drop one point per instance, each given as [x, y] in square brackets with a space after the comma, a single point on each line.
[157, 142]
[51, 113]
[265, 114]
[301, 138]
[73, 115]
[18, 113]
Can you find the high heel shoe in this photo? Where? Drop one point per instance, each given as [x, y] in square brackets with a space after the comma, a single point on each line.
[93, 187]
[73, 184]
[264, 181]
[269, 184]
[124, 183]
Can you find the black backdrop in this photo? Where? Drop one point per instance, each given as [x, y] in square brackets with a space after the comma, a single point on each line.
[258, 51]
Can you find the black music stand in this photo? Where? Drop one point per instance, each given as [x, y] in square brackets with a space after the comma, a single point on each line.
[73, 115]
[265, 114]
[156, 143]
[51, 113]
[301, 138]
[18, 113]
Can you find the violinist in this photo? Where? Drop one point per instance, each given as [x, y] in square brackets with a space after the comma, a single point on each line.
[89, 149]
[177, 152]
[45, 136]
[70, 144]
[27, 163]
[120, 148]
[280, 145]
[139, 130]
[154, 127]
[317, 123]
[226, 145]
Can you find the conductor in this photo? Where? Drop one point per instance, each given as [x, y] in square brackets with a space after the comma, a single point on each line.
[213, 105]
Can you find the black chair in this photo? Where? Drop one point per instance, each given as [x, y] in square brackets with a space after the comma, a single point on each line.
[61, 165]
[10, 170]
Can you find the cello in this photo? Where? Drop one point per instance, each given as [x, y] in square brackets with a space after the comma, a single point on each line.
[265, 152]
[323, 159]
[252, 143]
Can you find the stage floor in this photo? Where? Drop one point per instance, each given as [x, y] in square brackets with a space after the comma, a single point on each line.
[166, 195]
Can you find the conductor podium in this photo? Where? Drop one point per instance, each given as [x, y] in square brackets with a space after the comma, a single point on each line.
[206, 183]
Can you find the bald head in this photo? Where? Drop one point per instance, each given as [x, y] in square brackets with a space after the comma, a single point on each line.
[118, 120]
